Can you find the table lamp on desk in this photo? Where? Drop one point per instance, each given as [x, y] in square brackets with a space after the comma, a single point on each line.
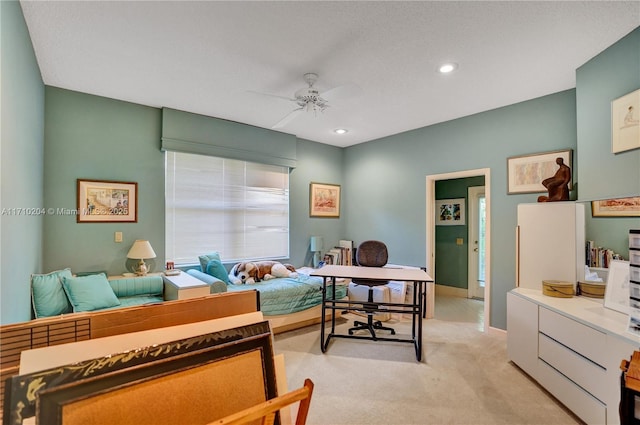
[316, 247]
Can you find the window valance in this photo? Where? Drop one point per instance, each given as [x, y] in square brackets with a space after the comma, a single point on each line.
[200, 134]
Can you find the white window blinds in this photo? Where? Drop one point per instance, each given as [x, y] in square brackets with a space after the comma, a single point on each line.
[238, 208]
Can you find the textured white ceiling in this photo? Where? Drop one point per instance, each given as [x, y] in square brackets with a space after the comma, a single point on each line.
[210, 57]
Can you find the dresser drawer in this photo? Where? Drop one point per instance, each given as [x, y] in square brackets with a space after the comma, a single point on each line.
[634, 272]
[584, 405]
[582, 339]
[587, 374]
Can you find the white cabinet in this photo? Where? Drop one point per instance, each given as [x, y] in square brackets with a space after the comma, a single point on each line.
[573, 348]
[522, 328]
[550, 243]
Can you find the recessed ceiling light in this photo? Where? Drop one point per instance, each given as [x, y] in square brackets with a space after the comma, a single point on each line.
[341, 131]
[446, 68]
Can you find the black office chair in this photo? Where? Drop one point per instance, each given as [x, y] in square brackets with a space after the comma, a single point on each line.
[371, 254]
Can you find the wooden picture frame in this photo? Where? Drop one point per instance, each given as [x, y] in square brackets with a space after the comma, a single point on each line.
[617, 207]
[617, 291]
[324, 200]
[102, 201]
[450, 212]
[625, 122]
[233, 355]
[525, 173]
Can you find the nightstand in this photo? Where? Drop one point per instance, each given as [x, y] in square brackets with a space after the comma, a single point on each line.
[184, 286]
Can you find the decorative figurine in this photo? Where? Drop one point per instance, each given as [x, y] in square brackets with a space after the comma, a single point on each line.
[558, 185]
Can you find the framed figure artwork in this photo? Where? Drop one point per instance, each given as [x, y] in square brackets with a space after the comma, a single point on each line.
[525, 173]
[625, 122]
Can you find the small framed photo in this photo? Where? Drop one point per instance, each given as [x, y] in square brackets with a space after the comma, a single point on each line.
[625, 122]
[617, 292]
[324, 200]
[619, 207]
[525, 173]
[101, 201]
[450, 212]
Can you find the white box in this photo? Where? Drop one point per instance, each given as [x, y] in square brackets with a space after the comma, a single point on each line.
[381, 293]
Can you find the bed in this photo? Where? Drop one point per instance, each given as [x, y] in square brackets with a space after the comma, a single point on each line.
[288, 303]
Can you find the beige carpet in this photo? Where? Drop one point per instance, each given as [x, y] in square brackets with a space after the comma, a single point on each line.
[464, 377]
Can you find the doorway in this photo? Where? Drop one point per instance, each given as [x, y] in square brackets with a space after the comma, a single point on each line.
[430, 234]
[477, 242]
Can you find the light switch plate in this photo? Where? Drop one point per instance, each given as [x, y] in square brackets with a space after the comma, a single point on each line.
[118, 237]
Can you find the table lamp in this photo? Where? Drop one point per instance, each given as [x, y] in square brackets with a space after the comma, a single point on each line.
[316, 247]
[141, 250]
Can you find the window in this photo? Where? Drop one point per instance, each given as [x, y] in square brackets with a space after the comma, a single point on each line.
[238, 208]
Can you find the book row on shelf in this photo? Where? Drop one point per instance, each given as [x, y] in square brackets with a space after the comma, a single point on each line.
[342, 254]
[596, 256]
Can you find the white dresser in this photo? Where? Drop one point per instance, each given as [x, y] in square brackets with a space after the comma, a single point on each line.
[573, 348]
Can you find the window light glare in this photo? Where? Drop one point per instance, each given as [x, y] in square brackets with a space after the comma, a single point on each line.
[447, 68]
[341, 131]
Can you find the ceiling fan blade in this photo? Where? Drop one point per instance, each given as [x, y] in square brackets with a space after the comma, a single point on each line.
[272, 95]
[342, 92]
[290, 117]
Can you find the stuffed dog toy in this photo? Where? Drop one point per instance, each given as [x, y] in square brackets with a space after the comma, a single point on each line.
[252, 272]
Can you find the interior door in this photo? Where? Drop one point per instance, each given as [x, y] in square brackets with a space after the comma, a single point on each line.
[477, 232]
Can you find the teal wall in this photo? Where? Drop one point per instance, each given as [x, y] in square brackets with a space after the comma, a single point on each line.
[383, 181]
[602, 174]
[608, 76]
[386, 179]
[91, 137]
[21, 164]
[452, 260]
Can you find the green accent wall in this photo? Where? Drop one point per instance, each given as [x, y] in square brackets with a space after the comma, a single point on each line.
[21, 164]
[452, 260]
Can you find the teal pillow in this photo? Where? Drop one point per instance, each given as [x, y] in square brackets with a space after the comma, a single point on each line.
[88, 293]
[47, 295]
[216, 269]
[204, 260]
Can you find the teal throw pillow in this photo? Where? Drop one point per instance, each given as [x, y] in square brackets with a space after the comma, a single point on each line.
[88, 293]
[204, 260]
[216, 269]
[47, 295]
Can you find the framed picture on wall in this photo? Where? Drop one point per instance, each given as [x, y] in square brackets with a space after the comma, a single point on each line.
[324, 200]
[619, 207]
[101, 201]
[450, 212]
[625, 122]
[525, 173]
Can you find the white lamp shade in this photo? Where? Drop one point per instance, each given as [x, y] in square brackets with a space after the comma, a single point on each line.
[316, 243]
[141, 249]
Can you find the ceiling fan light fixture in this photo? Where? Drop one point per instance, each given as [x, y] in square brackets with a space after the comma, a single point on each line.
[341, 131]
[447, 68]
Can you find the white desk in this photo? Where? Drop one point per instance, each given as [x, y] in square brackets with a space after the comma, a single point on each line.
[417, 276]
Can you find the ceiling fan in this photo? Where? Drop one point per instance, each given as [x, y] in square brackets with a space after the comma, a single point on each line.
[309, 99]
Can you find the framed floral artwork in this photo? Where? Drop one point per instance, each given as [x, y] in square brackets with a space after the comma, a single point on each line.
[324, 200]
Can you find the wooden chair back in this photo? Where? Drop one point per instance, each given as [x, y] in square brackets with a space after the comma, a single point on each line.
[264, 413]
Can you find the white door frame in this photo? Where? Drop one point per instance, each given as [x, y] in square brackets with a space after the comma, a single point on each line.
[473, 195]
[431, 230]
